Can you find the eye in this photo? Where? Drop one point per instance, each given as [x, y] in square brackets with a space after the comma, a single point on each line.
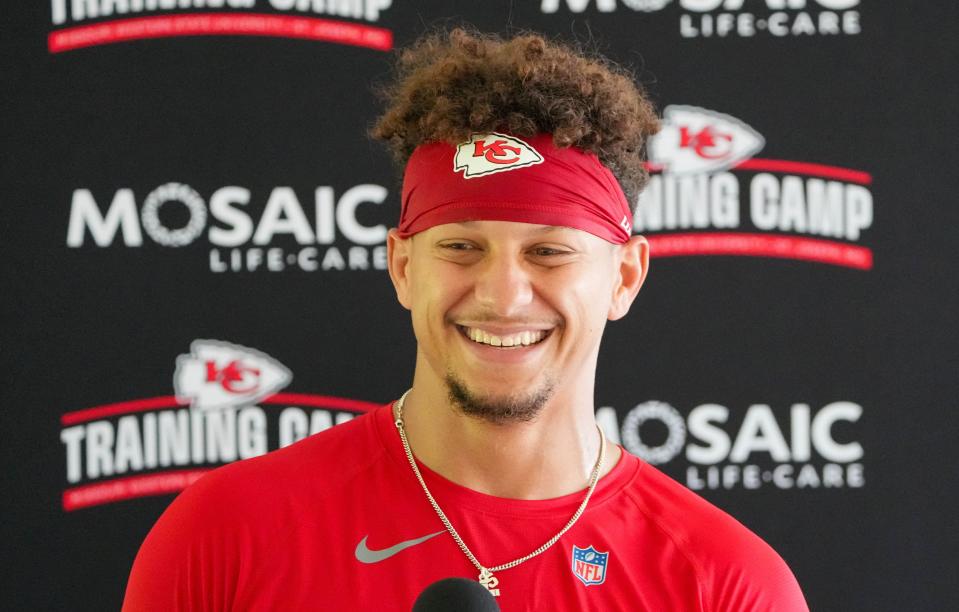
[458, 246]
[547, 251]
[458, 251]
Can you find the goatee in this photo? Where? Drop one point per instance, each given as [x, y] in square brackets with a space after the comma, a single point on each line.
[498, 410]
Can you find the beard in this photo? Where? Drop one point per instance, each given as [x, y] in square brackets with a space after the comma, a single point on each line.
[499, 410]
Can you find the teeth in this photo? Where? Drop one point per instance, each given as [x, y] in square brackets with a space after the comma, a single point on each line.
[524, 338]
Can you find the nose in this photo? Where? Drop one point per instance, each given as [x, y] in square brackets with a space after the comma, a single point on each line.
[503, 285]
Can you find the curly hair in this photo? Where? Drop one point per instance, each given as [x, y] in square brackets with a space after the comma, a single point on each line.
[449, 85]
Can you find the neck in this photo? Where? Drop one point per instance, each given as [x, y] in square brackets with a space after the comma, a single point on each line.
[550, 456]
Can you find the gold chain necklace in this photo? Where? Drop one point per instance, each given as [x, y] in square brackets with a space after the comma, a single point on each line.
[486, 577]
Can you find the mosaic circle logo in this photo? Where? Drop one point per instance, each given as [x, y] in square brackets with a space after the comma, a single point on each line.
[173, 192]
[646, 6]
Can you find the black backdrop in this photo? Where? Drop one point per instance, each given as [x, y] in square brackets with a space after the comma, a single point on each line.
[813, 397]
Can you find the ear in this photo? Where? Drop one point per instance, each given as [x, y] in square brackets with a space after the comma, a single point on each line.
[633, 262]
[398, 263]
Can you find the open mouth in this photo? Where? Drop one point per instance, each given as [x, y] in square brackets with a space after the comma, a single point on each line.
[517, 340]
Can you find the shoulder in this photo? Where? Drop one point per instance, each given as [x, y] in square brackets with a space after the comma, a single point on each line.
[312, 467]
[735, 568]
[210, 532]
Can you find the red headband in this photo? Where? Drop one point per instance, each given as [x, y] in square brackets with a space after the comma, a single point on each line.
[502, 178]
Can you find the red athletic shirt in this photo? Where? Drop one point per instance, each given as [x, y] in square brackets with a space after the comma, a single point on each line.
[339, 522]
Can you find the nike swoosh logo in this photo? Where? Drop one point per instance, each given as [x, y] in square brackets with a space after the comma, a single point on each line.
[365, 555]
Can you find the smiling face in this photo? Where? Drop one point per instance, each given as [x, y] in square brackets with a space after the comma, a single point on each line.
[509, 314]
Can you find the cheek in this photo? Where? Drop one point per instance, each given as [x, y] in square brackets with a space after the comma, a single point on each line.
[433, 296]
[590, 300]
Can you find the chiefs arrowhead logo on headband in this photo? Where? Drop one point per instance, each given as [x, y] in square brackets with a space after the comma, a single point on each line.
[490, 153]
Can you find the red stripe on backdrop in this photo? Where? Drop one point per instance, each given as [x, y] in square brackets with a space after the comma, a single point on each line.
[761, 245]
[170, 401]
[220, 24]
[132, 487]
[794, 167]
[805, 168]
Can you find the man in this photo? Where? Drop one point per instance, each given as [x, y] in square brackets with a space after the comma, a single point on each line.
[513, 249]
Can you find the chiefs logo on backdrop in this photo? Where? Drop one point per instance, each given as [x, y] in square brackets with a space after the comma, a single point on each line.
[698, 140]
[222, 375]
[491, 153]
[710, 195]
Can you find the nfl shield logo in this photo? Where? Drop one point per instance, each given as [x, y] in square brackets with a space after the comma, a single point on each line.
[589, 565]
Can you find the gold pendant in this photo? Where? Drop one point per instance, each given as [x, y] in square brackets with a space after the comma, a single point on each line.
[488, 580]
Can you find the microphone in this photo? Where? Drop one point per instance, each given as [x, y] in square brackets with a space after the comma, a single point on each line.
[455, 595]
